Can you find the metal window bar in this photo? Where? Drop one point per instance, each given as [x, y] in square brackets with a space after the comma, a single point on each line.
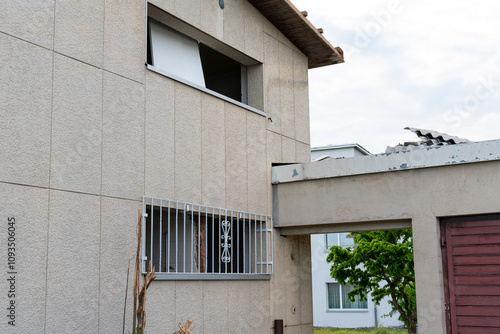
[192, 241]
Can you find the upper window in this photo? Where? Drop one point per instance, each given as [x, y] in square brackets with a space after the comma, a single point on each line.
[339, 239]
[186, 54]
[337, 298]
[191, 241]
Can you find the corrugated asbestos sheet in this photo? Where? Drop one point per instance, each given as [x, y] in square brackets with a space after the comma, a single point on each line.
[428, 138]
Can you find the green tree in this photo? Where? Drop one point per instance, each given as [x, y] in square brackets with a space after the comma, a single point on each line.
[381, 263]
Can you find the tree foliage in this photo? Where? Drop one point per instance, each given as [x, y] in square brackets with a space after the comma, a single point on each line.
[381, 263]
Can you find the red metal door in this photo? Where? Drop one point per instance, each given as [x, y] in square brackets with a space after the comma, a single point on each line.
[471, 266]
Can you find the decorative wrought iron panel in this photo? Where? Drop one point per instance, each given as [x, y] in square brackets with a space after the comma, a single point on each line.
[192, 241]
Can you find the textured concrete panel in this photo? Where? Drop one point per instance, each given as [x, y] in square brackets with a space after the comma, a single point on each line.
[187, 143]
[160, 148]
[125, 38]
[287, 96]
[160, 307]
[305, 277]
[212, 19]
[278, 279]
[25, 106]
[428, 274]
[292, 281]
[273, 156]
[79, 30]
[307, 329]
[288, 149]
[302, 152]
[27, 209]
[258, 186]
[273, 148]
[260, 310]
[213, 156]
[123, 138]
[189, 303]
[272, 83]
[166, 5]
[301, 98]
[30, 20]
[234, 26]
[189, 11]
[76, 126]
[270, 29]
[255, 86]
[236, 158]
[73, 263]
[254, 33]
[239, 307]
[118, 241]
[216, 306]
[293, 329]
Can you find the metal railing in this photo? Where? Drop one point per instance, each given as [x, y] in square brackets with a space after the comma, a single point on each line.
[191, 241]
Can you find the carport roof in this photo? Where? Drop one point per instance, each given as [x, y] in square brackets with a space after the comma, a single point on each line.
[424, 157]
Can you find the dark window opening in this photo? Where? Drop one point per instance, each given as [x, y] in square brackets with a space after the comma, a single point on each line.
[222, 74]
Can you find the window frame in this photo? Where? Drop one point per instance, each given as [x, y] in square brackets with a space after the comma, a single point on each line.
[252, 67]
[251, 241]
[341, 302]
[338, 243]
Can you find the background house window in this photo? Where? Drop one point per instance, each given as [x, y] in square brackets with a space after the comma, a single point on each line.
[339, 239]
[337, 298]
[191, 241]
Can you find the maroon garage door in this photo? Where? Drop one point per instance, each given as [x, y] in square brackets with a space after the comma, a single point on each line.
[471, 266]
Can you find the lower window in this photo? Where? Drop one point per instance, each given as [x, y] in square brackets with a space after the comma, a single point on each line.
[191, 241]
[337, 297]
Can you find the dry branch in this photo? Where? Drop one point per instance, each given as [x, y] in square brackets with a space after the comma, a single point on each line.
[136, 278]
[139, 321]
[141, 308]
[126, 292]
[184, 329]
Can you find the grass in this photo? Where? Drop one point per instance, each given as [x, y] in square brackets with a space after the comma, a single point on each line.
[356, 331]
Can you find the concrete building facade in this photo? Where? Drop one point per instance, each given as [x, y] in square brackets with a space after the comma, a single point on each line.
[87, 130]
[419, 189]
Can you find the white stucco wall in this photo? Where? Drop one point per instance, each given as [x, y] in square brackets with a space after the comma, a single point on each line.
[86, 130]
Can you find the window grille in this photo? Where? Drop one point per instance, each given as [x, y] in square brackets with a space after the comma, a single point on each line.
[192, 241]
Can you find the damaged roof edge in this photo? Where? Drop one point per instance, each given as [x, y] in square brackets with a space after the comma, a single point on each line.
[294, 25]
[388, 162]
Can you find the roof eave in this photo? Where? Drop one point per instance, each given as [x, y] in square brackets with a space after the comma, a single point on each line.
[297, 28]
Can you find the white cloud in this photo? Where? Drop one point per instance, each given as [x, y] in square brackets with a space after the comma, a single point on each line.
[421, 66]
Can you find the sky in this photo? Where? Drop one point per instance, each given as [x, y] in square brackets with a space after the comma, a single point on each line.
[428, 64]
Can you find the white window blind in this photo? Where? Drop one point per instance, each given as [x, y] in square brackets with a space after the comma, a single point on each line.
[175, 53]
[337, 297]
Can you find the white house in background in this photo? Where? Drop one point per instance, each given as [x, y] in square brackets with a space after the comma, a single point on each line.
[331, 308]
[338, 151]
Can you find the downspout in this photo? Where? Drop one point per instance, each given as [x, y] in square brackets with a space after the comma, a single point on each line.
[375, 312]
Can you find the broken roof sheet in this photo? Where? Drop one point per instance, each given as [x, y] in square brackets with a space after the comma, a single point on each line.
[428, 138]
[294, 25]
